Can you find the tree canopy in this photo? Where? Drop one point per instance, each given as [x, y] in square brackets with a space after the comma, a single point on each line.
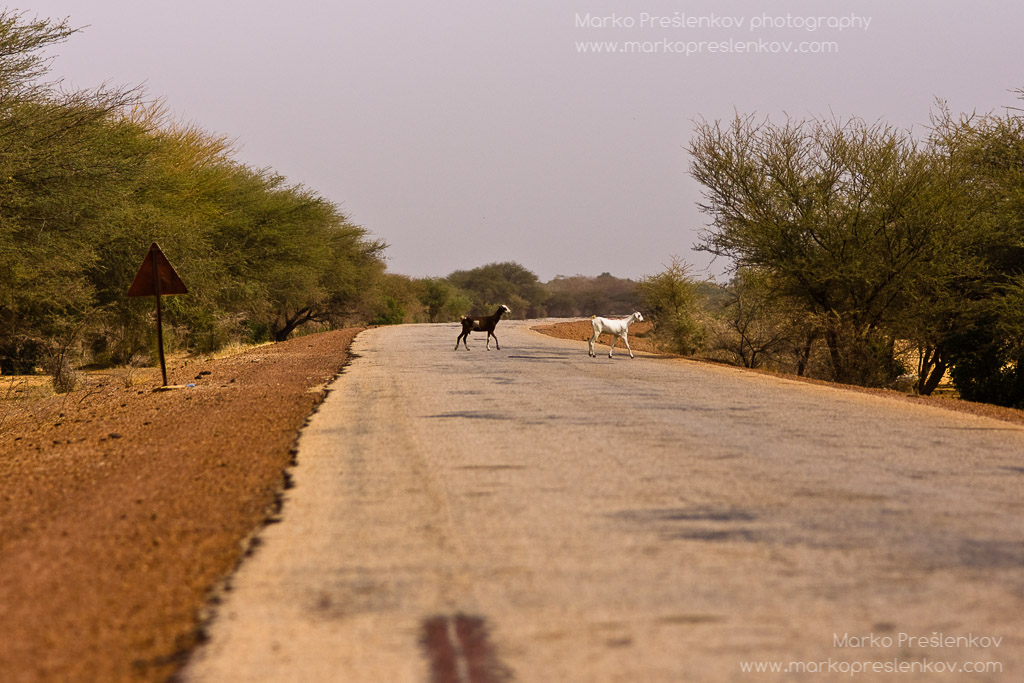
[870, 239]
[89, 179]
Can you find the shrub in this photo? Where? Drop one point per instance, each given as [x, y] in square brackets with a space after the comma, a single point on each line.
[670, 302]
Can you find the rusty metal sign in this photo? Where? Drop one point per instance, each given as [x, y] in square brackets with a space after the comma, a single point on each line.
[166, 281]
[156, 277]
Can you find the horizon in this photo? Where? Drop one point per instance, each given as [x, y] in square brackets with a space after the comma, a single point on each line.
[478, 134]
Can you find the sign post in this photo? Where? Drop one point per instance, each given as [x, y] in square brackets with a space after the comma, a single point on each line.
[156, 277]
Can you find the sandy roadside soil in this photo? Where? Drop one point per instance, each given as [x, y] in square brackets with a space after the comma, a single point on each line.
[120, 508]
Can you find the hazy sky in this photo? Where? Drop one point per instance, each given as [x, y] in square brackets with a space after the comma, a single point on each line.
[466, 132]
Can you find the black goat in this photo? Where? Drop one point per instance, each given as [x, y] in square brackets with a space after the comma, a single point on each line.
[481, 325]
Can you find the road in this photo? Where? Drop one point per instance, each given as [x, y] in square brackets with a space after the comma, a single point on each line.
[533, 514]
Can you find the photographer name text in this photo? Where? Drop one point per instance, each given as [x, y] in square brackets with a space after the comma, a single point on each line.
[759, 22]
[935, 640]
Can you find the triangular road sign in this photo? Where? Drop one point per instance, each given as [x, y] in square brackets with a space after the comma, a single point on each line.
[146, 285]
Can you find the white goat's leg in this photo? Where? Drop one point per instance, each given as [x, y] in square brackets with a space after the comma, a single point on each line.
[592, 340]
[615, 338]
[625, 338]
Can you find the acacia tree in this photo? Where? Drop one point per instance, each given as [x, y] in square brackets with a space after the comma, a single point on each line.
[310, 262]
[756, 325]
[670, 301]
[506, 282]
[89, 179]
[23, 63]
[979, 328]
[443, 301]
[61, 159]
[843, 216]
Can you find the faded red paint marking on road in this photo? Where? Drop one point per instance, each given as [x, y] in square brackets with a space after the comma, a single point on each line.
[460, 651]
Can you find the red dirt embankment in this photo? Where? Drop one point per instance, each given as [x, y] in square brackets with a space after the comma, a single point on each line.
[120, 508]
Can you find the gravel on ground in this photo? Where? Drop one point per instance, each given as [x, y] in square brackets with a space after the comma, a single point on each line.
[122, 507]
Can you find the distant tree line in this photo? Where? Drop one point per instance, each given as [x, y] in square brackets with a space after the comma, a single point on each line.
[482, 289]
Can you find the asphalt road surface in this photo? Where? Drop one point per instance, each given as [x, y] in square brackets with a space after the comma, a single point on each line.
[533, 514]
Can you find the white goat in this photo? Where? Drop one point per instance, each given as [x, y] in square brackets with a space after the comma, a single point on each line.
[617, 327]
